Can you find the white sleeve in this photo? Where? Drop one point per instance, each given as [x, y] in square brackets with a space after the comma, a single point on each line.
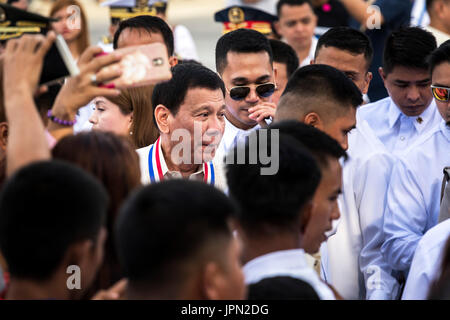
[370, 186]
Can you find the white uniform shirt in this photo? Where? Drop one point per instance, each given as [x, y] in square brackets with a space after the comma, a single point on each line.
[413, 198]
[184, 43]
[144, 153]
[351, 259]
[395, 130]
[231, 136]
[426, 263]
[290, 263]
[312, 51]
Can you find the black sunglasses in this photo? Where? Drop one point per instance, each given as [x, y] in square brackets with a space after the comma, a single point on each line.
[264, 90]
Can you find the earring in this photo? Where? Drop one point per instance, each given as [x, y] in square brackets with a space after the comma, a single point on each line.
[131, 133]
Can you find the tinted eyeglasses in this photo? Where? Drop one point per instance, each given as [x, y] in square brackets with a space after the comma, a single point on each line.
[440, 93]
[264, 90]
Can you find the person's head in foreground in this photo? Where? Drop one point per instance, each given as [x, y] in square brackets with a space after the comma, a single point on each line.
[323, 97]
[275, 207]
[51, 230]
[175, 241]
[327, 153]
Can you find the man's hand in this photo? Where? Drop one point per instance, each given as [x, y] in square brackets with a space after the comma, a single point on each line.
[22, 62]
[262, 111]
[80, 90]
[116, 292]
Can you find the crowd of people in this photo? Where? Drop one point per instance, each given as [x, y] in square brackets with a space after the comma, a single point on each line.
[313, 163]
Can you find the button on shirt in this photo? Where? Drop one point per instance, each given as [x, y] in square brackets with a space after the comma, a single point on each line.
[426, 263]
[413, 197]
[290, 263]
[199, 175]
[397, 131]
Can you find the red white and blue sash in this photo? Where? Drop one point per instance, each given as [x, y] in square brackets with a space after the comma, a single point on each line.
[155, 168]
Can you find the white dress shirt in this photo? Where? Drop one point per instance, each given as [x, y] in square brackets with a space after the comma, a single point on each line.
[184, 45]
[440, 36]
[351, 259]
[219, 177]
[426, 264]
[290, 263]
[413, 198]
[312, 51]
[397, 131]
[231, 136]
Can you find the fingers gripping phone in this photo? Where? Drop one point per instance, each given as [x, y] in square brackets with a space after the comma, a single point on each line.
[141, 65]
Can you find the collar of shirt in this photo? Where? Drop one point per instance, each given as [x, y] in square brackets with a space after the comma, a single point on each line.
[312, 51]
[395, 114]
[199, 175]
[232, 133]
[285, 262]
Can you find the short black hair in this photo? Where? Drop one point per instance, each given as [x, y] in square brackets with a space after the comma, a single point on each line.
[440, 55]
[320, 144]
[408, 47]
[46, 207]
[271, 203]
[321, 82]
[283, 53]
[240, 41]
[164, 227]
[348, 39]
[172, 93]
[148, 24]
[281, 288]
[281, 3]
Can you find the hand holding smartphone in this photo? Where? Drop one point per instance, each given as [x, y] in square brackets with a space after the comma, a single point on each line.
[141, 65]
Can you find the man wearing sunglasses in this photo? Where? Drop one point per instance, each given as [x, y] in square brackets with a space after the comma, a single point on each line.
[244, 60]
[413, 199]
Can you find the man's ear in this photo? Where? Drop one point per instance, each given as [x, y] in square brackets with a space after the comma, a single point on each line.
[162, 117]
[306, 216]
[313, 119]
[3, 135]
[212, 281]
[382, 73]
[173, 61]
[367, 79]
[275, 75]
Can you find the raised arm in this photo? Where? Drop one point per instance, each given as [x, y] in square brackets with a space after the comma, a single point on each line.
[23, 60]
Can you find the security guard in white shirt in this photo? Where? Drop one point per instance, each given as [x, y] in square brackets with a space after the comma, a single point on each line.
[409, 112]
[413, 198]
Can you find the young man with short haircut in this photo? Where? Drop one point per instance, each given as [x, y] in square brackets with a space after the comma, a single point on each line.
[276, 234]
[296, 24]
[52, 231]
[349, 51]
[189, 111]
[413, 199]
[409, 113]
[244, 61]
[285, 61]
[174, 241]
[323, 97]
